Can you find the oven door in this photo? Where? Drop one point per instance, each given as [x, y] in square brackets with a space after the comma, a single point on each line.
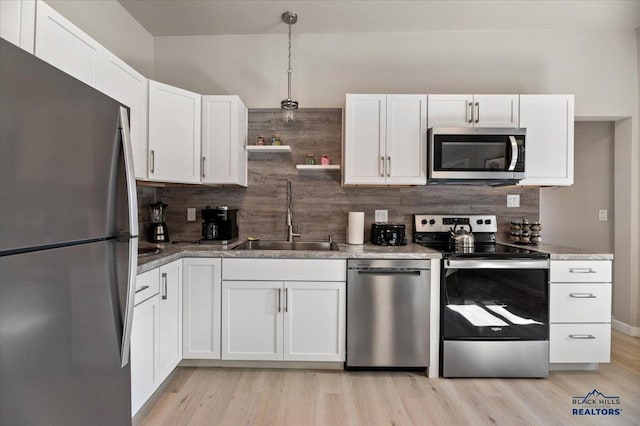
[495, 299]
[472, 154]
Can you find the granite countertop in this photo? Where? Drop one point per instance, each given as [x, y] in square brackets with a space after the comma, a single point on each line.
[563, 253]
[173, 252]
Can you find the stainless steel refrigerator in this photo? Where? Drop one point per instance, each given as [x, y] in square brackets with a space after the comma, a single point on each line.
[68, 248]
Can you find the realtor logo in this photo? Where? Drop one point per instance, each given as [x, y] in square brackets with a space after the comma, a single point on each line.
[595, 403]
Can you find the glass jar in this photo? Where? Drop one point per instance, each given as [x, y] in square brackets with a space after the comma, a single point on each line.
[260, 140]
[324, 160]
[275, 140]
[310, 160]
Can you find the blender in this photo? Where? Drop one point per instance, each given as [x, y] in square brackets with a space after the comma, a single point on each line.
[158, 232]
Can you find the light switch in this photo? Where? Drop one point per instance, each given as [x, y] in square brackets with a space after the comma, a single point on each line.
[602, 215]
[513, 200]
[191, 214]
[381, 216]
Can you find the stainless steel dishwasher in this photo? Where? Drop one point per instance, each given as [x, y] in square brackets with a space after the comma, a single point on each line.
[388, 314]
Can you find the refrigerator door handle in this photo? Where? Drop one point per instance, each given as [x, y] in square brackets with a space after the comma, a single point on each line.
[133, 240]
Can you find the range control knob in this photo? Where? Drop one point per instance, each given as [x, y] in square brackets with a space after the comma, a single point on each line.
[487, 221]
[424, 221]
[432, 222]
[479, 221]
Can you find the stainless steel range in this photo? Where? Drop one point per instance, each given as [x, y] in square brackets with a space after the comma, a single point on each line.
[494, 300]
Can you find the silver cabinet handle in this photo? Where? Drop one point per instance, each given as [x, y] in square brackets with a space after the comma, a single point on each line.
[582, 270]
[477, 112]
[153, 161]
[279, 298]
[381, 168]
[582, 295]
[164, 286]
[203, 165]
[286, 300]
[469, 112]
[388, 166]
[582, 336]
[144, 287]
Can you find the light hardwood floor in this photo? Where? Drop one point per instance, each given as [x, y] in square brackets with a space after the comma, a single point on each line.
[234, 396]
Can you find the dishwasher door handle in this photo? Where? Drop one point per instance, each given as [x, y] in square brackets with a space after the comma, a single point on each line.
[390, 271]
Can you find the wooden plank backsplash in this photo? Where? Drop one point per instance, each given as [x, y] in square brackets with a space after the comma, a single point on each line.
[320, 204]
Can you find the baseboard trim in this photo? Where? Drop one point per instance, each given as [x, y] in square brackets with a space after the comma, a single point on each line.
[625, 328]
[573, 367]
[262, 364]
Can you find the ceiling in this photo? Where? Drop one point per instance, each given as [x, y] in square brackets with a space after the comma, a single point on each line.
[213, 17]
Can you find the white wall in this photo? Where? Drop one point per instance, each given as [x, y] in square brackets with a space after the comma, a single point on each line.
[569, 215]
[599, 67]
[112, 26]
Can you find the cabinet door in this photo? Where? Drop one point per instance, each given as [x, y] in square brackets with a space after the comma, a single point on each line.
[450, 111]
[549, 141]
[174, 134]
[224, 135]
[144, 349]
[17, 22]
[64, 45]
[495, 110]
[201, 310]
[364, 143]
[314, 321]
[406, 147]
[252, 320]
[124, 84]
[170, 319]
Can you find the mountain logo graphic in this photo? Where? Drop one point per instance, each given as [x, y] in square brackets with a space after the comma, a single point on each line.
[593, 397]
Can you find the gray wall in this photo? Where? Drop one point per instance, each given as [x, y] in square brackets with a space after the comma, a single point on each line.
[570, 214]
[320, 203]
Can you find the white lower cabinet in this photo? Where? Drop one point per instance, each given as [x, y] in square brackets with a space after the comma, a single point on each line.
[170, 319]
[580, 311]
[281, 316]
[144, 340]
[201, 292]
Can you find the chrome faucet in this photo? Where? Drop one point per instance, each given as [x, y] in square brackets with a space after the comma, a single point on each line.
[290, 234]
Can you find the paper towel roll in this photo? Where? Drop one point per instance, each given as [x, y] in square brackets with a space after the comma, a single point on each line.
[355, 229]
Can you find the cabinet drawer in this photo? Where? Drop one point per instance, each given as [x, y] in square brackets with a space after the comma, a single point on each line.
[284, 269]
[580, 303]
[147, 285]
[579, 343]
[581, 271]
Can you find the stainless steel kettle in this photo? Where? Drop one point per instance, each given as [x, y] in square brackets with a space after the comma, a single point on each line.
[462, 237]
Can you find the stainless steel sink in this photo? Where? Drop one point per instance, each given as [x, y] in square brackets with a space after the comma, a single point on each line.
[149, 251]
[285, 245]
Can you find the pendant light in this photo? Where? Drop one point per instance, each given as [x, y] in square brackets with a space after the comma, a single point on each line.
[289, 106]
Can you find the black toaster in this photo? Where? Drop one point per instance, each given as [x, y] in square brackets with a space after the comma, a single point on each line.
[388, 235]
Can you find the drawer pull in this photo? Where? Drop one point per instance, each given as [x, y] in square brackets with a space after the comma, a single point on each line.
[144, 287]
[582, 270]
[582, 336]
[582, 295]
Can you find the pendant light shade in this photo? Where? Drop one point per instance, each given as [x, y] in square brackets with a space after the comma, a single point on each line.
[289, 105]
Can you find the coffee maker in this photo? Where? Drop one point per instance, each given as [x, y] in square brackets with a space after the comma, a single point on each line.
[158, 232]
[219, 225]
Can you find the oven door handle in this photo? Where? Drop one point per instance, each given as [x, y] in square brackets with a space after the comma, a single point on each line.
[496, 264]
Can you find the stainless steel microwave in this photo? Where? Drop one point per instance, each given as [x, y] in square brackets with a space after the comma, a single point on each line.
[476, 156]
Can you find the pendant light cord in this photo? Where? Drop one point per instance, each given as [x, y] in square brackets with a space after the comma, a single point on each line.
[289, 70]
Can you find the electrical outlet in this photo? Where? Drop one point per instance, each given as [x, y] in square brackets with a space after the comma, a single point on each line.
[382, 216]
[602, 215]
[191, 214]
[513, 200]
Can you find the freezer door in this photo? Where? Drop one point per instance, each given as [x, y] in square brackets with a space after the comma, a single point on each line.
[61, 331]
[60, 156]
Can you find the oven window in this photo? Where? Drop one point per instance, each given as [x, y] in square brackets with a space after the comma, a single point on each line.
[495, 304]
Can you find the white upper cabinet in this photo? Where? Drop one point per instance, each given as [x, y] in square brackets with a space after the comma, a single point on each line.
[224, 140]
[473, 111]
[65, 46]
[17, 22]
[385, 140]
[549, 141]
[174, 134]
[124, 84]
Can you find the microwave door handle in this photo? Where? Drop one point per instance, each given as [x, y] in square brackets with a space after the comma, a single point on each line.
[514, 154]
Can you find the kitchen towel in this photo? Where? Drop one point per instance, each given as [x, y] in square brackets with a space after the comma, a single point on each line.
[355, 228]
